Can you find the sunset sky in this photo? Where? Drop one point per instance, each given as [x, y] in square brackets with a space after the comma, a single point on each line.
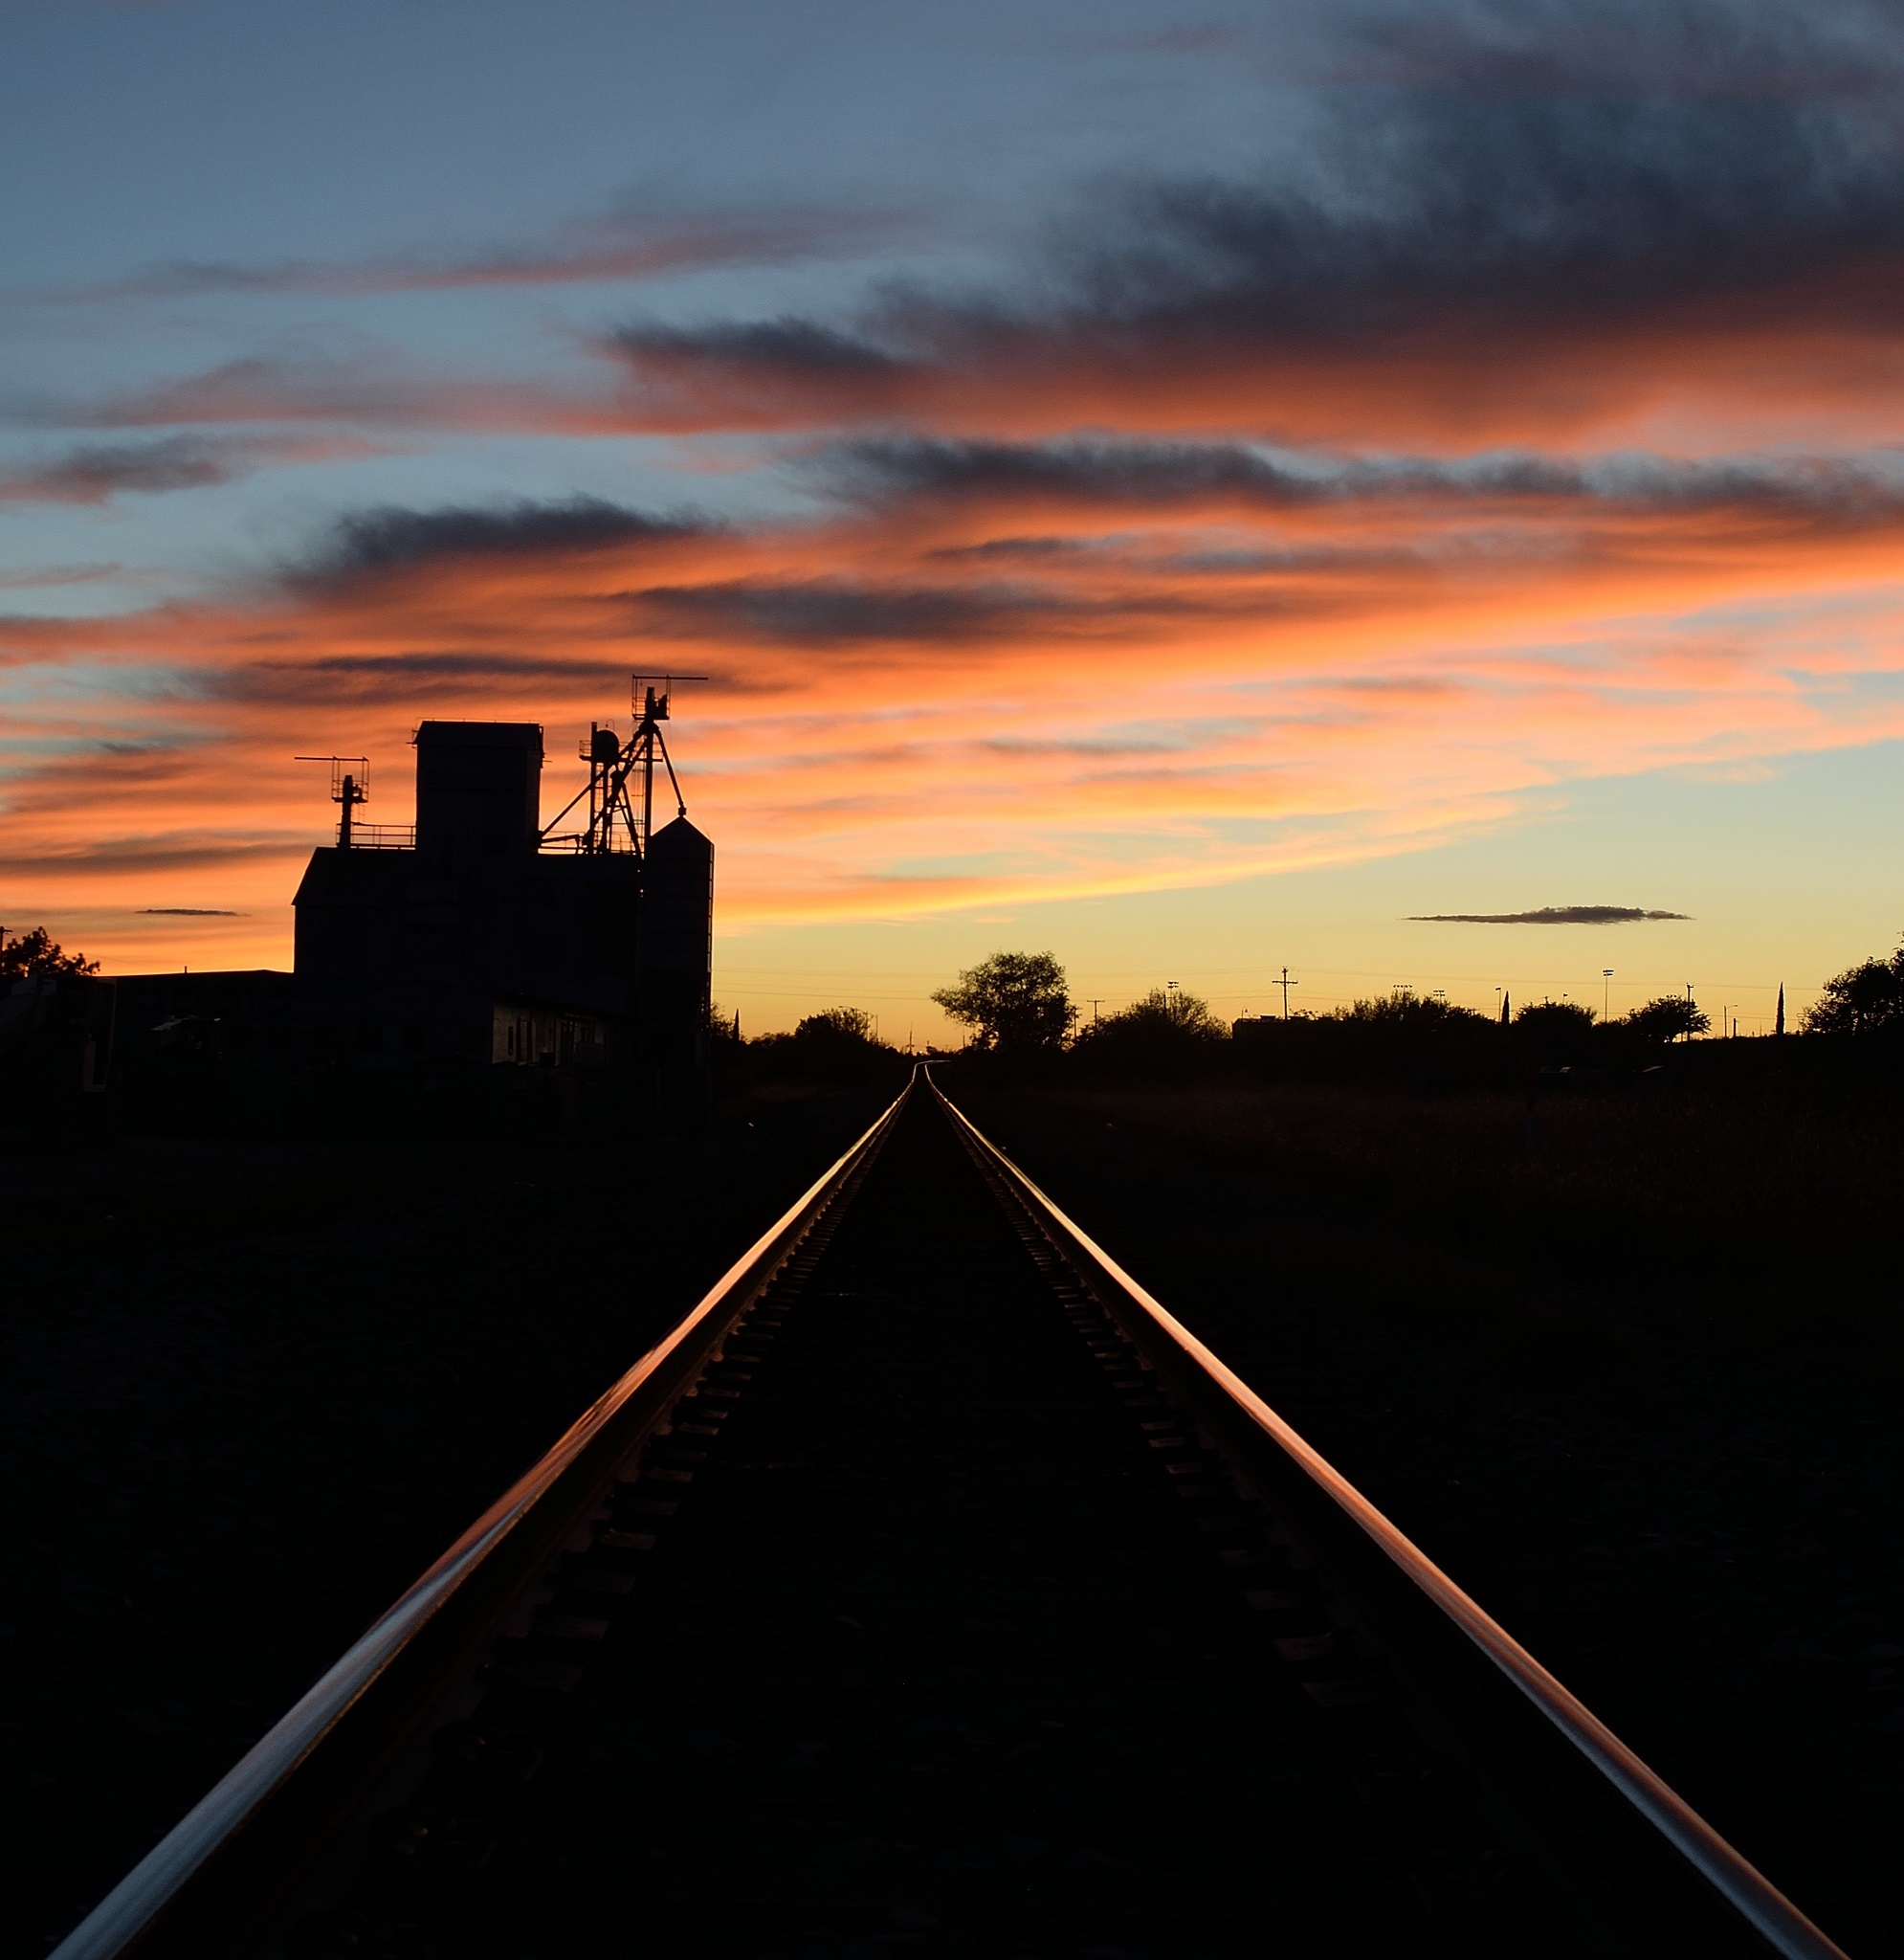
[1193, 488]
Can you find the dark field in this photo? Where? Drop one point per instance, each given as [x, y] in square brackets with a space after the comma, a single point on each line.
[1636, 1390]
[250, 1388]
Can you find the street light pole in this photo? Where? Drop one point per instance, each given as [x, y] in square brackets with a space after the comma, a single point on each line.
[1606, 993]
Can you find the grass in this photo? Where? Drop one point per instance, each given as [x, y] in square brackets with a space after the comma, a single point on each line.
[250, 1387]
[1635, 1389]
[1725, 1200]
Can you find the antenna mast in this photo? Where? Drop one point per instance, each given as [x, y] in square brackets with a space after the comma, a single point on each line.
[349, 788]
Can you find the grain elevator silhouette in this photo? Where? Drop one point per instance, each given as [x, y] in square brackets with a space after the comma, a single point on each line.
[483, 935]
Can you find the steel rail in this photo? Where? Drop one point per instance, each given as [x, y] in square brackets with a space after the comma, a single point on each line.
[1728, 1907]
[532, 1516]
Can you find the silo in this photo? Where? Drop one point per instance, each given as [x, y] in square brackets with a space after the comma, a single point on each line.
[676, 944]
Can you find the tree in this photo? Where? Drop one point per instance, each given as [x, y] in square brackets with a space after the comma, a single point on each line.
[1557, 1031]
[839, 1027]
[37, 956]
[1861, 1000]
[1420, 1038]
[839, 1044]
[1667, 1019]
[1403, 1009]
[1162, 1024]
[1012, 1001]
[1189, 1013]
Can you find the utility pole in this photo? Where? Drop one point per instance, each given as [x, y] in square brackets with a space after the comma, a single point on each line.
[1095, 1000]
[1285, 983]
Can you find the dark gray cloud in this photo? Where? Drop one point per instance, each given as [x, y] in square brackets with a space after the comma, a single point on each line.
[97, 473]
[426, 674]
[188, 912]
[1506, 212]
[1655, 50]
[1141, 474]
[1009, 551]
[788, 345]
[626, 247]
[1153, 476]
[1540, 175]
[371, 543]
[829, 610]
[823, 612]
[1548, 915]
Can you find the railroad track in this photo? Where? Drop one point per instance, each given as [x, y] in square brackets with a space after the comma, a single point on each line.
[930, 1590]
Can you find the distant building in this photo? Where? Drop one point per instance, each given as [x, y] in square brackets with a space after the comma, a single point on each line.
[477, 936]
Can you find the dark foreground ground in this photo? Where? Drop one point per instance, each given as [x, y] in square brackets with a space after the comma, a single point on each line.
[1637, 1388]
[250, 1387]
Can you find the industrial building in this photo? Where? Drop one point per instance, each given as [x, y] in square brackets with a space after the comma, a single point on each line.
[480, 935]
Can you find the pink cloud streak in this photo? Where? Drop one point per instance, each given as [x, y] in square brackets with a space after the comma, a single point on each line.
[894, 730]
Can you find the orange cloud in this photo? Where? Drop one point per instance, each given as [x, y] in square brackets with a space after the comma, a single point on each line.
[1231, 677]
[1713, 378]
